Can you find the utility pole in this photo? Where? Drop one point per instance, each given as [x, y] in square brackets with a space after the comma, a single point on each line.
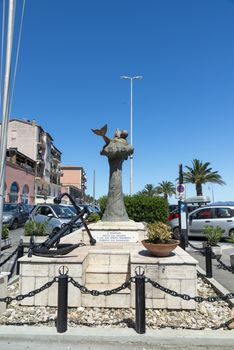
[5, 107]
[94, 188]
[138, 77]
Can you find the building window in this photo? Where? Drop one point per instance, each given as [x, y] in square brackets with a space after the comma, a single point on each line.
[25, 193]
[14, 190]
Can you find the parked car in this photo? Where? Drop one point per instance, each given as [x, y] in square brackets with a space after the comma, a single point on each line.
[222, 216]
[15, 214]
[175, 213]
[30, 207]
[91, 208]
[56, 216]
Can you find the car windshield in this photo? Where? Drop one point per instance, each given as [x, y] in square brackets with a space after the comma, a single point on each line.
[63, 211]
[73, 209]
[9, 207]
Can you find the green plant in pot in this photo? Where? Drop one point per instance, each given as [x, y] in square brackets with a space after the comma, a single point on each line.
[159, 241]
[230, 239]
[33, 228]
[5, 231]
[214, 235]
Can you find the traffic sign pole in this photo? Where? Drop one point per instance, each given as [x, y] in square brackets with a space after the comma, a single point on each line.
[183, 227]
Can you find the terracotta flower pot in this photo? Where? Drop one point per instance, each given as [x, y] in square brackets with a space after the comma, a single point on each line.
[161, 249]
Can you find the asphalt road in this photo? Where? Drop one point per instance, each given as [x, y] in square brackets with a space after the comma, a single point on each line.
[224, 277]
[15, 236]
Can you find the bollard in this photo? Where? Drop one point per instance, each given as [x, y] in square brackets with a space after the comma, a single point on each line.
[182, 241]
[19, 255]
[208, 253]
[61, 323]
[140, 300]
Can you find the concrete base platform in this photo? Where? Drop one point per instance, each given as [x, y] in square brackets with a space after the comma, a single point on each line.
[3, 289]
[106, 266]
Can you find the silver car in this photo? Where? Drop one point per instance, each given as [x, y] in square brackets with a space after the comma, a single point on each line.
[219, 215]
[15, 214]
[56, 216]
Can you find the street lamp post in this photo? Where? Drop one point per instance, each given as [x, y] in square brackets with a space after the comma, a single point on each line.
[137, 77]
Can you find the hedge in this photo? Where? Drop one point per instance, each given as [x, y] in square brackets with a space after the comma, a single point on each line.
[142, 208]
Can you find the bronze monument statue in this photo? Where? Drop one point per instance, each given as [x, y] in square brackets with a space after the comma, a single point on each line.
[116, 150]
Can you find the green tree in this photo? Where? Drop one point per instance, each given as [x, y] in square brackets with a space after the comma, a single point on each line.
[149, 190]
[166, 188]
[201, 173]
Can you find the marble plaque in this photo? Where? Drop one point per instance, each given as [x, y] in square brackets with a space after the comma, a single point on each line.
[115, 236]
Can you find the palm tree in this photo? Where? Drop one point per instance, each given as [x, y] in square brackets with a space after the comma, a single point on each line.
[201, 173]
[166, 188]
[149, 190]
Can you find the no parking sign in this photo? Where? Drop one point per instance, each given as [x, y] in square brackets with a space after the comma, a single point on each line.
[180, 191]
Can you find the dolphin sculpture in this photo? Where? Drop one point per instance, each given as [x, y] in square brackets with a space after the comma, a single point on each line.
[102, 132]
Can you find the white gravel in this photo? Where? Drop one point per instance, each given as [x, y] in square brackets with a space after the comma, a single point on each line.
[207, 315]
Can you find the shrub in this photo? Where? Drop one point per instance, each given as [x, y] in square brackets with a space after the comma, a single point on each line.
[102, 203]
[230, 239]
[93, 217]
[35, 228]
[213, 233]
[5, 231]
[142, 208]
[148, 209]
[158, 232]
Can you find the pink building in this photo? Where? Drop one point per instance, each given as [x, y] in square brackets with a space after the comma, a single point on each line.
[73, 181]
[20, 178]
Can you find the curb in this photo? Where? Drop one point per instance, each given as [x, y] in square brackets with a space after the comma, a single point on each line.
[216, 285]
[97, 338]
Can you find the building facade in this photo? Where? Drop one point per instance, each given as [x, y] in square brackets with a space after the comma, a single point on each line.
[20, 178]
[31, 140]
[73, 181]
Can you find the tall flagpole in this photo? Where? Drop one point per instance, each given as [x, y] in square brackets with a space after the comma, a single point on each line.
[5, 108]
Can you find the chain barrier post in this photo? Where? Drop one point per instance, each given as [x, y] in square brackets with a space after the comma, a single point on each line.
[20, 253]
[61, 323]
[140, 300]
[208, 253]
[182, 241]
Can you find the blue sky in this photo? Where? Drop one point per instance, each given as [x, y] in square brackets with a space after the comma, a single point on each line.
[72, 56]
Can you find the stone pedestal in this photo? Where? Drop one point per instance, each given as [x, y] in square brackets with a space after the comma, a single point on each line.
[177, 272]
[106, 266]
[3, 289]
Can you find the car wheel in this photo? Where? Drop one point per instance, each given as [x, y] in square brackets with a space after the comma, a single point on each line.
[231, 233]
[14, 224]
[176, 233]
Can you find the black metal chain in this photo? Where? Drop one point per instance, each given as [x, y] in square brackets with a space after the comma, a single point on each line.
[187, 297]
[29, 294]
[196, 248]
[94, 292]
[9, 257]
[218, 258]
[224, 266]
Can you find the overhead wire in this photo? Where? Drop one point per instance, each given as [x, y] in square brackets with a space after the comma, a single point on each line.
[17, 55]
[16, 61]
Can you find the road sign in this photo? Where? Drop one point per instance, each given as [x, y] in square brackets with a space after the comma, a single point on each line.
[180, 191]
